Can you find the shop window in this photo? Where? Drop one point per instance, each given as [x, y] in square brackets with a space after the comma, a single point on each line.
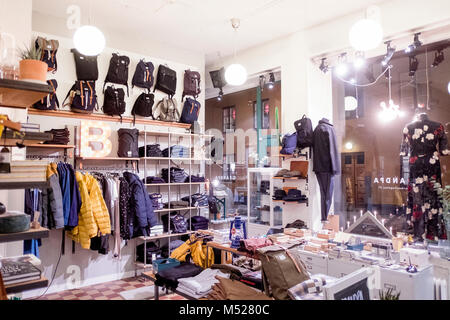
[229, 119]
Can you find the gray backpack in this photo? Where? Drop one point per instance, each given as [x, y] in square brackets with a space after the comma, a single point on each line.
[166, 110]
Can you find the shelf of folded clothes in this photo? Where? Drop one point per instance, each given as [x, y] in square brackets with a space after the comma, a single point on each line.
[22, 94]
[10, 138]
[174, 184]
[165, 235]
[109, 159]
[25, 174]
[179, 134]
[174, 159]
[27, 285]
[180, 209]
[31, 233]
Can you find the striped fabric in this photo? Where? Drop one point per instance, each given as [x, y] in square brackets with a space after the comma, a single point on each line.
[309, 289]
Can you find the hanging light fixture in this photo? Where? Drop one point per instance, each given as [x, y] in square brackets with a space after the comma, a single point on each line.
[342, 68]
[389, 54]
[390, 111]
[367, 34]
[324, 66]
[88, 39]
[235, 74]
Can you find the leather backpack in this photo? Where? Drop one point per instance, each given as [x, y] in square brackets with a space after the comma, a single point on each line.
[166, 80]
[191, 110]
[114, 102]
[166, 110]
[49, 48]
[143, 106]
[143, 76]
[128, 143]
[50, 102]
[304, 132]
[118, 70]
[86, 66]
[82, 97]
[191, 84]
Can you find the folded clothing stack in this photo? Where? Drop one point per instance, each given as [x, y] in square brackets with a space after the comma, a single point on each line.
[153, 150]
[176, 151]
[200, 285]
[251, 245]
[60, 136]
[177, 175]
[228, 289]
[197, 200]
[156, 230]
[198, 223]
[153, 180]
[197, 179]
[168, 278]
[156, 199]
[176, 204]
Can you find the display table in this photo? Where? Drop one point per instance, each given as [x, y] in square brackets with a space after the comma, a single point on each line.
[226, 252]
[151, 276]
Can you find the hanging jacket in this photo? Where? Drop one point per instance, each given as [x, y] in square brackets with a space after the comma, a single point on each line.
[140, 207]
[124, 204]
[326, 156]
[64, 182]
[52, 201]
[93, 218]
[75, 198]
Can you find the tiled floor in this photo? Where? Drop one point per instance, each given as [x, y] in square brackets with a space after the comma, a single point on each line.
[105, 291]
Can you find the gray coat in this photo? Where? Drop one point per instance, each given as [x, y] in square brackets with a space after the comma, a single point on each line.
[52, 206]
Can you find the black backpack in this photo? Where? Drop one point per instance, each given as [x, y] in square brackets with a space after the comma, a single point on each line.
[191, 109]
[143, 106]
[143, 76]
[118, 70]
[83, 97]
[49, 50]
[304, 132]
[128, 143]
[50, 102]
[86, 66]
[191, 84]
[166, 81]
[114, 102]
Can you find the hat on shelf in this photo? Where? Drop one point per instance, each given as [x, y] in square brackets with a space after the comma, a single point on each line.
[292, 174]
[294, 195]
[279, 194]
[281, 173]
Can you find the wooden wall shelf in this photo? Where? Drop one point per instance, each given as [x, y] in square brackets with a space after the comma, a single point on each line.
[103, 117]
[16, 185]
[26, 235]
[28, 285]
[21, 94]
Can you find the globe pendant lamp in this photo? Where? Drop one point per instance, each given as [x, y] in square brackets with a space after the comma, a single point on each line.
[367, 34]
[235, 74]
[89, 40]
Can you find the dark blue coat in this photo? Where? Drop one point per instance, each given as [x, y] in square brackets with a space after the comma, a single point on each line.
[75, 198]
[140, 207]
[326, 157]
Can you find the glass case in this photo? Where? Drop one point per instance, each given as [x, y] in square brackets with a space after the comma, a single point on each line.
[262, 214]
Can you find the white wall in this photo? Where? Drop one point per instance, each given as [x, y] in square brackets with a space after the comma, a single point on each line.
[305, 90]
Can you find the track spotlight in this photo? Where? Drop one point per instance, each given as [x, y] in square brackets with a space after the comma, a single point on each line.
[323, 66]
[416, 44]
[413, 65]
[389, 54]
[438, 58]
[262, 82]
[271, 83]
[220, 96]
[359, 60]
[342, 67]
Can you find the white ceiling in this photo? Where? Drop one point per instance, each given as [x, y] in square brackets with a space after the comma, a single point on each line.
[204, 25]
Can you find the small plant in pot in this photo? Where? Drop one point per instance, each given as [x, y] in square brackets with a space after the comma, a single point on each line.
[31, 67]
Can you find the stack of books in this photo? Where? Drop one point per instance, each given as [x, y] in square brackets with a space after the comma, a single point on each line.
[19, 269]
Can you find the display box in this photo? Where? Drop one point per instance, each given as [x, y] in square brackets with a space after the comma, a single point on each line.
[164, 264]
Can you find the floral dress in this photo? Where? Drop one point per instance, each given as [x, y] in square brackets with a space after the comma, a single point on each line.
[424, 141]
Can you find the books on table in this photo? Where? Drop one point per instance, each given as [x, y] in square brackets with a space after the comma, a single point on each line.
[19, 269]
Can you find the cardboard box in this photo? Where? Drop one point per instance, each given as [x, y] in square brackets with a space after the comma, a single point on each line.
[418, 257]
[318, 241]
[326, 234]
[332, 223]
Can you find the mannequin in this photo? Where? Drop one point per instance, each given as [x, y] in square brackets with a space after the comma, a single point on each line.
[424, 141]
[326, 162]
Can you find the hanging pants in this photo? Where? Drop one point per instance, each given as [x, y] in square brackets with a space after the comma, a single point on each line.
[326, 192]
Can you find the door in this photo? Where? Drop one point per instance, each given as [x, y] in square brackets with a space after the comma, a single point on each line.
[353, 168]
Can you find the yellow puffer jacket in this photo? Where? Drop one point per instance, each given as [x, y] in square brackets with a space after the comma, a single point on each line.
[93, 217]
[197, 251]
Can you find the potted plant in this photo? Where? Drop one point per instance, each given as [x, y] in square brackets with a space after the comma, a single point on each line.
[31, 68]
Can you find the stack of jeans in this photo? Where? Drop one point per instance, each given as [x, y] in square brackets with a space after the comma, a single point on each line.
[176, 175]
[197, 200]
[60, 136]
[176, 151]
[153, 180]
[198, 223]
[197, 179]
[153, 150]
[156, 199]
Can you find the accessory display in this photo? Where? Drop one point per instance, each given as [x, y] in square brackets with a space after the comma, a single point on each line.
[191, 84]
[50, 102]
[118, 70]
[83, 97]
[304, 132]
[114, 102]
[143, 106]
[49, 49]
[191, 110]
[86, 66]
[143, 76]
[166, 81]
[128, 143]
[166, 110]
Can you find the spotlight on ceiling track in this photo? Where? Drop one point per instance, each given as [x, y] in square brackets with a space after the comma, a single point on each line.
[413, 65]
[389, 54]
[220, 96]
[342, 67]
[262, 82]
[438, 58]
[415, 45]
[360, 61]
[323, 66]
[271, 83]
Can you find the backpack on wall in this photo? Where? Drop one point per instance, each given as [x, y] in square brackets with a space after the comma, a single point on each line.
[143, 106]
[82, 97]
[114, 102]
[304, 132]
[50, 102]
[289, 144]
[86, 66]
[166, 110]
[166, 80]
[118, 70]
[128, 143]
[143, 76]
[191, 84]
[190, 112]
[49, 50]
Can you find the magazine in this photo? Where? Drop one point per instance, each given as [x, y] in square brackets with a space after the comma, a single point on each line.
[18, 268]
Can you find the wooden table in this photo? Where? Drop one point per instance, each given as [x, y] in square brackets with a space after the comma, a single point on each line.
[226, 252]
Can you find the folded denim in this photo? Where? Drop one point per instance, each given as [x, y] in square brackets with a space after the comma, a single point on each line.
[153, 150]
[152, 180]
[197, 179]
[176, 151]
